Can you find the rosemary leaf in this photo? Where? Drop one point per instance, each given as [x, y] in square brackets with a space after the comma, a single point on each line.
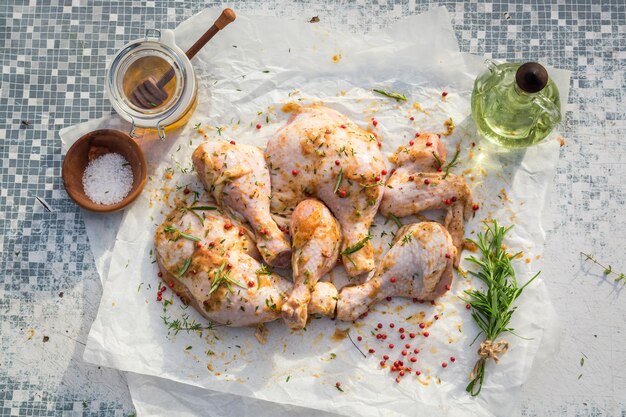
[339, 179]
[184, 268]
[391, 94]
[172, 229]
[357, 246]
[202, 208]
[395, 220]
[452, 163]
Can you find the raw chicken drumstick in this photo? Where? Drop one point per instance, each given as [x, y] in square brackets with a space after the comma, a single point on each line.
[238, 179]
[316, 237]
[416, 186]
[321, 153]
[419, 265]
[211, 262]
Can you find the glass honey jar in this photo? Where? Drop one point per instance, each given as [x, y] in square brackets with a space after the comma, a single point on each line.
[151, 83]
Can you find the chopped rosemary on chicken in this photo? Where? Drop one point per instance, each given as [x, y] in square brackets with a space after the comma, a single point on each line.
[357, 246]
[446, 168]
[172, 229]
[222, 277]
[183, 269]
[339, 179]
[492, 308]
[202, 208]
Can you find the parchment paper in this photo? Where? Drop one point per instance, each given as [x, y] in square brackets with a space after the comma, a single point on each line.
[298, 368]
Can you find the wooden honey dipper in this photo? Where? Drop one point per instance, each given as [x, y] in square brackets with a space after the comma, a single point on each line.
[150, 93]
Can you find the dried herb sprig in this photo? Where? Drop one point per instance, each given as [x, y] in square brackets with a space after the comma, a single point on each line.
[184, 323]
[607, 270]
[391, 94]
[492, 308]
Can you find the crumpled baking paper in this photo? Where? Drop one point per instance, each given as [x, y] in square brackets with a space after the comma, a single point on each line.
[245, 76]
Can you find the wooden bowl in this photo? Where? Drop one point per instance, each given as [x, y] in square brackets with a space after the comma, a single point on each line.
[91, 146]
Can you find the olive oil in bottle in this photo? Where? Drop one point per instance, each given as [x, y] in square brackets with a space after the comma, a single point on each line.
[515, 105]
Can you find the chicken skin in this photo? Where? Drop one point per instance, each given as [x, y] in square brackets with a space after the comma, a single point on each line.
[237, 177]
[416, 186]
[316, 237]
[212, 263]
[321, 153]
[419, 265]
[425, 153]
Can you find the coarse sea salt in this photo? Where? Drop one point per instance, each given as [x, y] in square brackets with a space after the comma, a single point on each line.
[108, 179]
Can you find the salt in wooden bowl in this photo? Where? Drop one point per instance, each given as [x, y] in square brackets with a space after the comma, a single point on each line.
[91, 146]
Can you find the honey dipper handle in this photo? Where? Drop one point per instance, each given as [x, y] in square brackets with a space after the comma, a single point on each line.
[227, 16]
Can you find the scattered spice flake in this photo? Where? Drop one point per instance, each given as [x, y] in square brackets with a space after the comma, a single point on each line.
[188, 348]
[339, 334]
[449, 125]
[290, 107]
[314, 19]
[469, 245]
[288, 378]
[209, 366]
[46, 339]
[336, 58]
[30, 333]
[504, 196]
[261, 333]
[338, 386]
[561, 140]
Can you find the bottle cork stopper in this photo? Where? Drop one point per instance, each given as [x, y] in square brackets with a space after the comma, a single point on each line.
[531, 77]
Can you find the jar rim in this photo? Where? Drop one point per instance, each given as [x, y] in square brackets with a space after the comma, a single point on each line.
[162, 47]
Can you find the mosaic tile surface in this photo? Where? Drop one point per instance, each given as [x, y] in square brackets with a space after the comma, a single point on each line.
[52, 59]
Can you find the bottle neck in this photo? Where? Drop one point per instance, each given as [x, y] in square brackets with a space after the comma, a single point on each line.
[523, 93]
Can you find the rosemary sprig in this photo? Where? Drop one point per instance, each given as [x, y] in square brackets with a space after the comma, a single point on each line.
[223, 278]
[357, 246]
[391, 94]
[339, 179]
[607, 270]
[172, 229]
[492, 309]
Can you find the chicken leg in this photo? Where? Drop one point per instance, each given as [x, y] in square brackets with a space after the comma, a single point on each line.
[419, 265]
[321, 153]
[238, 179]
[316, 237]
[211, 262]
[418, 185]
[411, 194]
